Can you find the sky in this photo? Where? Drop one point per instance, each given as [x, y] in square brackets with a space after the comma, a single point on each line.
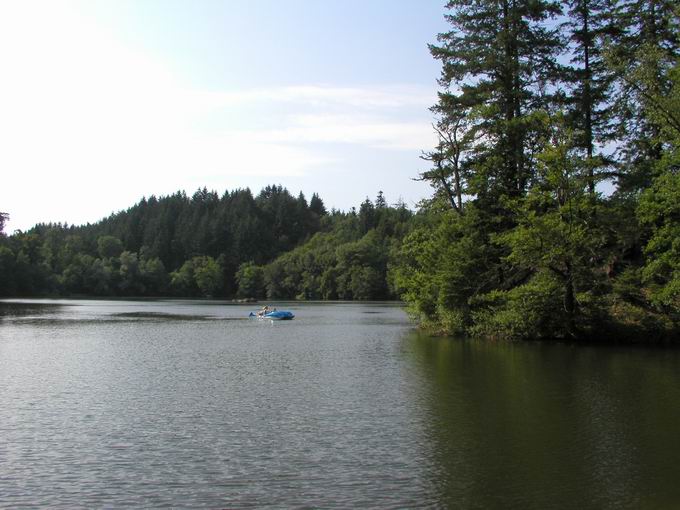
[105, 102]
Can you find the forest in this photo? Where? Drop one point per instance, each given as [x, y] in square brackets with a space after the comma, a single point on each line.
[557, 186]
[237, 245]
[555, 210]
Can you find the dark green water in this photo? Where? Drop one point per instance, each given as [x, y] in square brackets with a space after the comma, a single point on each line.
[186, 404]
[533, 426]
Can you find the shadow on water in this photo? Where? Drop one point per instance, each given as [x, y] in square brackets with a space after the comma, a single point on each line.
[173, 316]
[50, 312]
[9, 309]
[550, 426]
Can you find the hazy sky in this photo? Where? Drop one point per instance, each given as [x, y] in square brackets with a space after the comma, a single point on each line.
[103, 102]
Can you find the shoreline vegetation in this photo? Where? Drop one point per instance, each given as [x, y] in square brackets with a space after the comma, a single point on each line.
[555, 212]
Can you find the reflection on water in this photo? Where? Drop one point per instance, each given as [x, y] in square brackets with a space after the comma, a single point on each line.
[185, 404]
[551, 426]
[10, 309]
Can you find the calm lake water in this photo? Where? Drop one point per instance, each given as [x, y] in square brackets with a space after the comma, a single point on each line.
[190, 404]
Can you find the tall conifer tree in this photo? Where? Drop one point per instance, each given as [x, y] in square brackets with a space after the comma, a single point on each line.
[642, 53]
[590, 26]
[498, 65]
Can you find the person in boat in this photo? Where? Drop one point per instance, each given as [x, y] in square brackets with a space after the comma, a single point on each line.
[265, 310]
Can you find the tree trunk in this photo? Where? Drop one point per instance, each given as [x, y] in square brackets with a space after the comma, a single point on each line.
[587, 99]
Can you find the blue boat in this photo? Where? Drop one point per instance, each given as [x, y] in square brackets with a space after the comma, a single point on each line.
[277, 315]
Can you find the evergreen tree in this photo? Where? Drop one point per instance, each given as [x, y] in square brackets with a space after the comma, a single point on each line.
[3, 219]
[316, 205]
[450, 173]
[556, 249]
[590, 25]
[527, 256]
[641, 54]
[367, 215]
[380, 202]
[498, 62]
[659, 207]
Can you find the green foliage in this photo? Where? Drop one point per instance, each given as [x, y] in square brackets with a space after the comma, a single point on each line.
[316, 205]
[532, 310]
[182, 281]
[153, 276]
[207, 274]
[660, 210]
[659, 205]
[347, 262]
[643, 55]
[500, 58]
[590, 25]
[7, 271]
[131, 252]
[199, 276]
[557, 230]
[442, 265]
[250, 280]
[130, 281]
[101, 278]
[3, 219]
[109, 247]
[516, 242]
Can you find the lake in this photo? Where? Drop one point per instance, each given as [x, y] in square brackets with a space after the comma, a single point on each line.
[192, 404]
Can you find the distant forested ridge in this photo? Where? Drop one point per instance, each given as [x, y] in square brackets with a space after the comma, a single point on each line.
[544, 104]
[236, 245]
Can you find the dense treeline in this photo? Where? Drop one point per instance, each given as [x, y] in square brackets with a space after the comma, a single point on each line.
[207, 245]
[351, 261]
[542, 102]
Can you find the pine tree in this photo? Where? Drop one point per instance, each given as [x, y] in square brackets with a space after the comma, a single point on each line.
[641, 54]
[450, 175]
[316, 205]
[367, 215]
[500, 77]
[590, 25]
[380, 202]
[498, 65]
[3, 218]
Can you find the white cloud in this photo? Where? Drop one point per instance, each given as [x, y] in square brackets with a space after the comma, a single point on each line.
[327, 96]
[357, 129]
